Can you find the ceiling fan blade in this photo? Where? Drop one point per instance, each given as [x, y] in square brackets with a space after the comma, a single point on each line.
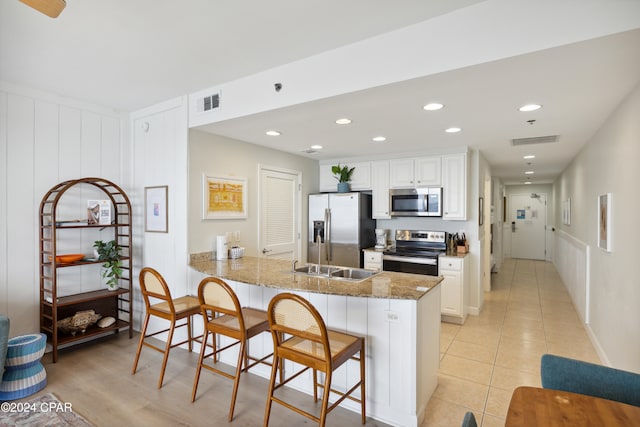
[50, 8]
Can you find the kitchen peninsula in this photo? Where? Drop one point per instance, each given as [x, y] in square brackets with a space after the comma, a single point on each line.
[397, 313]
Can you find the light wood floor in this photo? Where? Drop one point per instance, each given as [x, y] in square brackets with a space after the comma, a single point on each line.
[96, 379]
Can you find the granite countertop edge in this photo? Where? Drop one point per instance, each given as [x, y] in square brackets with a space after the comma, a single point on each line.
[274, 273]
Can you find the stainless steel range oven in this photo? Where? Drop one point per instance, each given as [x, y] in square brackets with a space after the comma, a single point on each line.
[416, 251]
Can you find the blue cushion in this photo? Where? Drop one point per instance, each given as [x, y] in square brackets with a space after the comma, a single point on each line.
[560, 373]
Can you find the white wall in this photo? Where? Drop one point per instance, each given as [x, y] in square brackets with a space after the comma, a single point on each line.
[216, 154]
[45, 139]
[160, 157]
[608, 164]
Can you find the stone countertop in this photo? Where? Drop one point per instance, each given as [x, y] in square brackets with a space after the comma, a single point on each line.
[275, 273]
[455, 254]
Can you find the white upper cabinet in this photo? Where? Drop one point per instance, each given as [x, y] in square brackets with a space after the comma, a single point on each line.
[401, 173]
[427, 171]
[420, 172]
[454, 183]
[380, 189]
[360, 180]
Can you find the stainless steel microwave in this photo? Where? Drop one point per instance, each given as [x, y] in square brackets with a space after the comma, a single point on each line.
[416, 201]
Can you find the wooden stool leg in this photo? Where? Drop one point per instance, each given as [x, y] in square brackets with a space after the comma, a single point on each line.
[203, 348]
[272, 381]
[142, 334]
[315, 385]
[236, 382]
[325, 398]
[362, 385]
[189, 334]
[167, 349]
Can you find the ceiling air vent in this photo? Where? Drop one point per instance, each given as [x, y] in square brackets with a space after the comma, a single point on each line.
[208, 103]
[534, 140]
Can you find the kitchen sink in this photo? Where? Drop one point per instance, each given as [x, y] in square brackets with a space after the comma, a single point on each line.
[354, 274]
[335, 272]
[312, 269]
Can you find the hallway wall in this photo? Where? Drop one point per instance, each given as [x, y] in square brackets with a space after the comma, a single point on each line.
[608, 164]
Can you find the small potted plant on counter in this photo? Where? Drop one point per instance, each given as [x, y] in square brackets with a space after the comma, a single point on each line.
[110, 253]
[343, 175]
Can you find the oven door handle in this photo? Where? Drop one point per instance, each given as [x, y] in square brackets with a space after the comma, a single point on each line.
[426, 261]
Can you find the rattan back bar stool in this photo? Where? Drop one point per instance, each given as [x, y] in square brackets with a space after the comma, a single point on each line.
[223, 315]
[301, 336]
[153, 286]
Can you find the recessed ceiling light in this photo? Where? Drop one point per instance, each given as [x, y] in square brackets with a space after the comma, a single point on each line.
[433, 106]
[379, 139]
[453, 130]
[527, 182]
[529, 172]
[343, 121]
[530, 107]
[317, 147]
[273, 133]
[529, 156]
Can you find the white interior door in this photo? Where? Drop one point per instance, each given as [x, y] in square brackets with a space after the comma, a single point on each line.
[280, 213]
[528, 217]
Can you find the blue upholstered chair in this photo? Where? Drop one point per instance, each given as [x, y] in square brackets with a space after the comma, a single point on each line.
[469, 420]
[560, 373]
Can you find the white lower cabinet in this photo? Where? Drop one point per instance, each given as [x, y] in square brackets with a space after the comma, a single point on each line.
[454, 289]
[372, 259]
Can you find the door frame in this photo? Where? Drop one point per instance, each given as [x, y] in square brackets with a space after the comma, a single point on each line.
[298, 204]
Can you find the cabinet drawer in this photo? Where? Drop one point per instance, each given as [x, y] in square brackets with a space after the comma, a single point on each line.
[372, 266]
[450, 263]
[373, 257]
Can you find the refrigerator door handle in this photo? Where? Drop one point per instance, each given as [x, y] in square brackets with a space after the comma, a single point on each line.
[327, 233]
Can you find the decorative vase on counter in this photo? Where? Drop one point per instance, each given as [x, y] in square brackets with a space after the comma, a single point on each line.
[343, 187]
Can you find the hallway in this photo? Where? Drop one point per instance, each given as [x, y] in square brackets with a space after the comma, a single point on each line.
[527, 313]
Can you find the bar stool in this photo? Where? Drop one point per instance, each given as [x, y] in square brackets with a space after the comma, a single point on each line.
[223, 315]
[153, 285]
[301, 336]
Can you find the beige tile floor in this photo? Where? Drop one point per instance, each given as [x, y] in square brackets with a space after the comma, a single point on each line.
[527, 313]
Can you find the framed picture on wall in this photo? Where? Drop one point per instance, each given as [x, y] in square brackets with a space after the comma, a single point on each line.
[566, 211]
[223, 197]
[604, 222]
[156, 219]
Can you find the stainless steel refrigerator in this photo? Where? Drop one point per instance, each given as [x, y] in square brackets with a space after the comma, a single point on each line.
[344, 225]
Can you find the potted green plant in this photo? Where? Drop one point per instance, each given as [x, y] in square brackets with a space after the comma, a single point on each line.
[111, 253]
[343, 175]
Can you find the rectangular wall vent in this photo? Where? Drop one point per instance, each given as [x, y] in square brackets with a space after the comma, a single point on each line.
[534, 140]
[208, 103]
